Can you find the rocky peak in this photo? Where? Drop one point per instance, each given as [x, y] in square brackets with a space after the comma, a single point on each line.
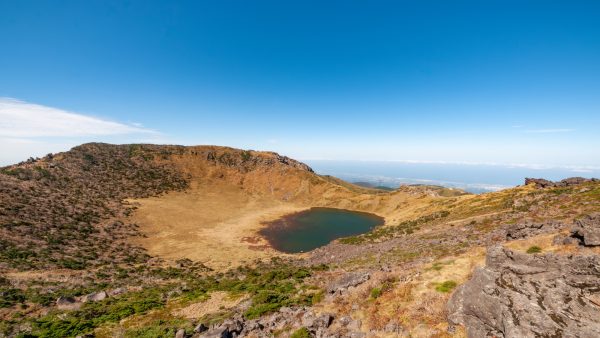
[567, 182]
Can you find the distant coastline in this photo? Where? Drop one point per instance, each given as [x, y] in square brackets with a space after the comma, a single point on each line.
[474, 178]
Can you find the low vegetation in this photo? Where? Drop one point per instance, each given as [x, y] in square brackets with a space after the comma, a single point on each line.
[301, 333]
[271, 286]
[391, 231]
[446, 286]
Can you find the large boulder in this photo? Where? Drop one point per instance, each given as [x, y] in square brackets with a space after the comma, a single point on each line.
[94, 297]
[588, 229]
[68, 303]
[348, 280]
[524, 295]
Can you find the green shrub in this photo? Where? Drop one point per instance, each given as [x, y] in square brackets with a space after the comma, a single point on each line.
[94, 314]
[375, 293]
[10, 297]
[246, 155]
[301, 333]
[534, 249]
[446, 286]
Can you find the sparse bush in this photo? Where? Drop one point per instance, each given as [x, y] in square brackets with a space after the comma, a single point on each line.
[534, 249]
[246, 155]
[375, 292]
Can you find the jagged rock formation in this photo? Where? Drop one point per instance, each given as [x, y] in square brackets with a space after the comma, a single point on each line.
[525, 230]
[523, 295]
[567, 182]
[588, 229]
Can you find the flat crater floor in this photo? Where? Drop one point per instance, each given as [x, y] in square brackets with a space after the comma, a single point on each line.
[216, 225]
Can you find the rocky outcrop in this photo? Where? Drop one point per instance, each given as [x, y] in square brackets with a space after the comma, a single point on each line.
[349, 280]
[525, 230]
[286, 319]
[543, 183]
[587, 229]
[523, 295]
[94, 297]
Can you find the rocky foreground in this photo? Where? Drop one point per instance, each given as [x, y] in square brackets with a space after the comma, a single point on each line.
[534, 295]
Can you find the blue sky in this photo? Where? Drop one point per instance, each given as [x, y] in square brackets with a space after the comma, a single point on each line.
[453, 81]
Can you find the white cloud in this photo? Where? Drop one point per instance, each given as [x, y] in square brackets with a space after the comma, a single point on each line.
[533, 166]
[20, 119]
[549, 131]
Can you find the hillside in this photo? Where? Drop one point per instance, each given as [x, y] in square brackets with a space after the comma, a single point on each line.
[154, 241]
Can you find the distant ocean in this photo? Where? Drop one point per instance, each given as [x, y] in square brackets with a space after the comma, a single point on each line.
[475, 178]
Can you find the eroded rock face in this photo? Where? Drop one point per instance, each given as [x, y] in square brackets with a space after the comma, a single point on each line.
[588, 229]
[523, 295]
[525, 230]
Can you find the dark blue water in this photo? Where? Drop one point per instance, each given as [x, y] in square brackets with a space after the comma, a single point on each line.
[475, 178]
[313, 228]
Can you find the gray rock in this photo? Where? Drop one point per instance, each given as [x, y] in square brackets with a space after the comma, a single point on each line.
[355, 325]
[588, 228]
[349, 280]
[228, 329]
[180, 333]
[117, 291]
[345, 320]
[218, 332]
[308, 319]
[522, 295]
[357, 335]
[393, 327]
[94, 297]
[323, 321]
[525, 230]
[67, 303]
